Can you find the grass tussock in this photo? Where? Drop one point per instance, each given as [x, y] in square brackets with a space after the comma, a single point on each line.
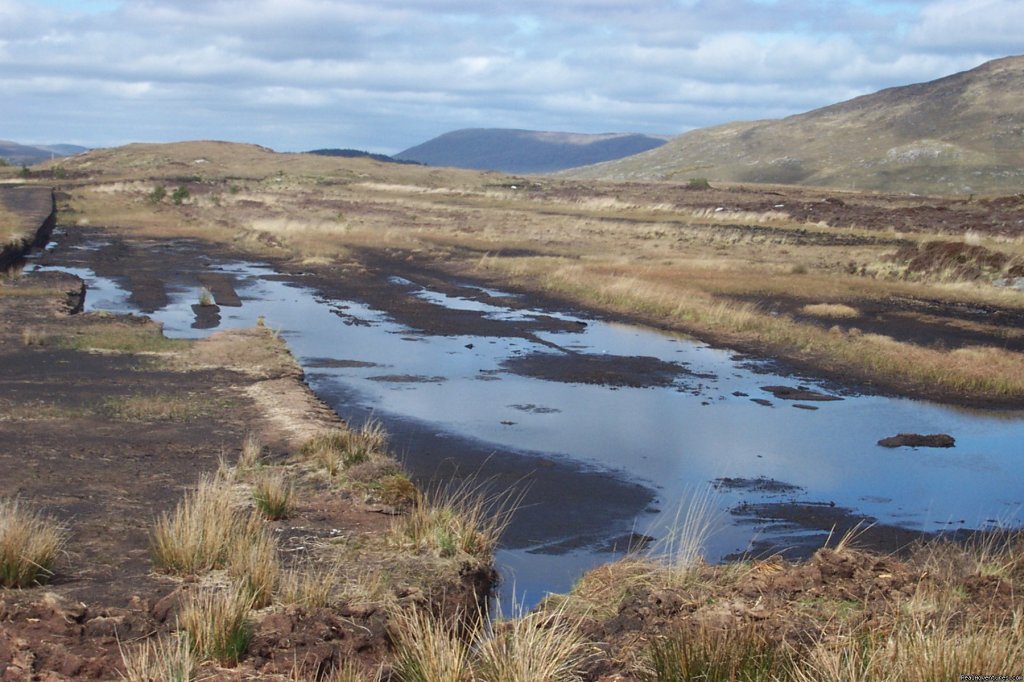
[253, 565]
[456, 520]
[717, 656]
[272, 494]
[163, 659]
[196, 537]
[428, 649]
[309, 585]
[30, 544]
[216, 624]
[340, 449]
[683, 545]
[536, 646]
[252, 452]
[33, 337]
[542, 645]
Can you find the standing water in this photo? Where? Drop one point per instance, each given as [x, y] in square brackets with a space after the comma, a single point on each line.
[611, 426]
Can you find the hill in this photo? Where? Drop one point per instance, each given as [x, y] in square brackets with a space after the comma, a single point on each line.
[959, 134]
[358, 154]
[526, 151]
[15, 153]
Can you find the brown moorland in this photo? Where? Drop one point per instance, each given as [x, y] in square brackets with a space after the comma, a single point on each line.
[810, 276]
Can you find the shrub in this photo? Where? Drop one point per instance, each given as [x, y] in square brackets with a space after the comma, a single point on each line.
[29, 545]
[157, 195]
[180, 195]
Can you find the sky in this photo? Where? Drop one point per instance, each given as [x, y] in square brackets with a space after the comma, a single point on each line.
[384, 75]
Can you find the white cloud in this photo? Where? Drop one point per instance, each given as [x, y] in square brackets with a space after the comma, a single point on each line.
[387, 74]
[982, 25]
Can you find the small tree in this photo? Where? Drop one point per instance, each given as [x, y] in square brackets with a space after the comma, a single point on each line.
[180, 195]
[158, 194]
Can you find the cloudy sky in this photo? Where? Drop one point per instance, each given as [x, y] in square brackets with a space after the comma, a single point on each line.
[384, 75]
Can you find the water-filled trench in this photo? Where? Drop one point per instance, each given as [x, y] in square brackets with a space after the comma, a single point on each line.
[611, 428]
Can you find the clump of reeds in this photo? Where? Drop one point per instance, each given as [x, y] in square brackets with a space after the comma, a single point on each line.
[33, 337]
[30, 544]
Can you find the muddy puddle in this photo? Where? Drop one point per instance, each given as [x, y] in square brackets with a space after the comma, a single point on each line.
[609, 428]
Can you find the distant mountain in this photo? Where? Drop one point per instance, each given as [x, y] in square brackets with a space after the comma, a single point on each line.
[959, 134]
[18, 154]
[359, 154]
[526, 151]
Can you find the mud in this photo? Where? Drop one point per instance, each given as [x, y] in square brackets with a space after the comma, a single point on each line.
[916, 440]
[605, 370]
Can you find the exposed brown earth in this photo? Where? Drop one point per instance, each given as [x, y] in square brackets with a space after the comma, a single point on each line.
[106, 441]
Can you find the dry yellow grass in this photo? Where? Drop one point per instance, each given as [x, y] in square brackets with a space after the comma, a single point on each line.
[163, 658]
[834, 310]
[196, 537]
[217, 624]
[634, 248]
[30, 544]
[253, 565]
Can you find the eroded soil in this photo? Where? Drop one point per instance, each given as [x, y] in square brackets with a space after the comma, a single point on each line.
[107, 441]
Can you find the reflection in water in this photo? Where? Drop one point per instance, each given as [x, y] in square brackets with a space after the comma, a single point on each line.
[670, 439]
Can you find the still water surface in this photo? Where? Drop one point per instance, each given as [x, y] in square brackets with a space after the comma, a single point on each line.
[660, 443]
